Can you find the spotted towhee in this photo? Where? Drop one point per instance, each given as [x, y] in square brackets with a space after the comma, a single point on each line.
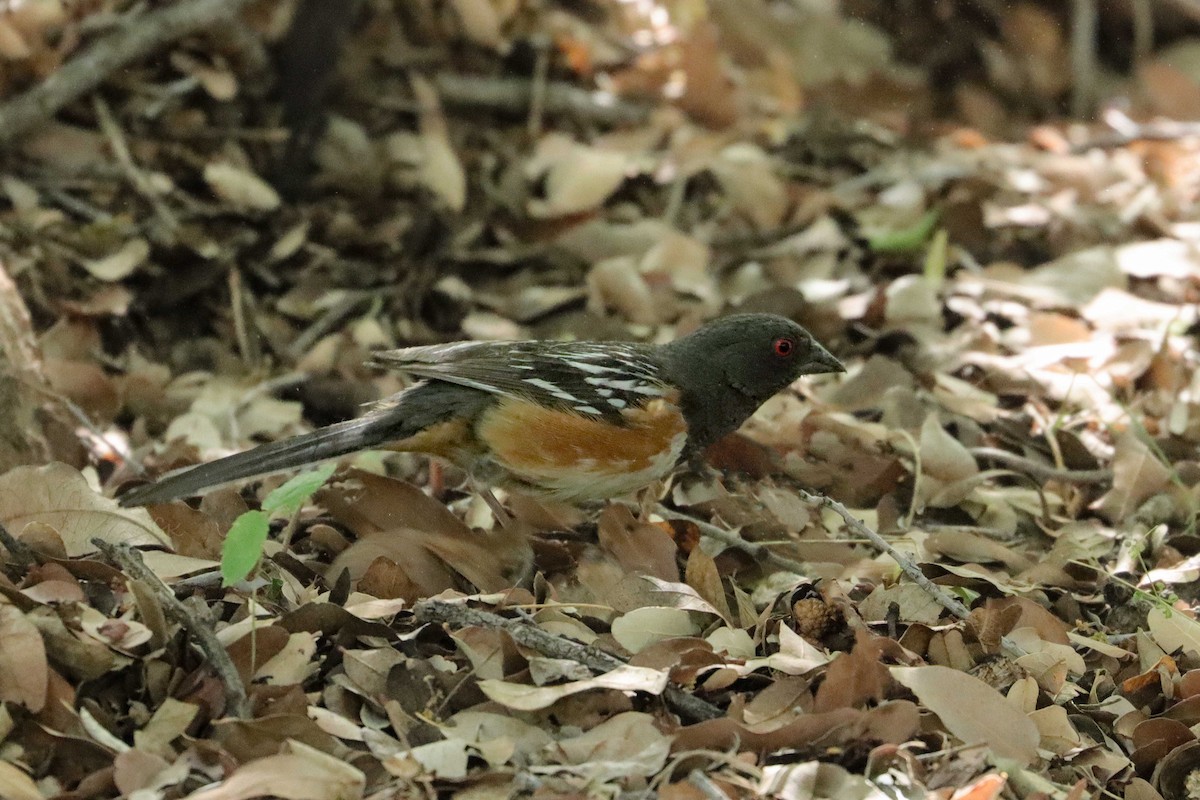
[568, 420]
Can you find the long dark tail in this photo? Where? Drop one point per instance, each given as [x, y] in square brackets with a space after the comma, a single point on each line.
[330, 442]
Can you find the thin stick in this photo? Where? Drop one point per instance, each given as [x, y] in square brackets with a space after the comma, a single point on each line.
[1042, 472]
[688, 706]
[137, 178]
[19, 553]
[202, 632]
[756, 551]
[1084, 25]
[906, 564]
[136, 39]
[516, 96]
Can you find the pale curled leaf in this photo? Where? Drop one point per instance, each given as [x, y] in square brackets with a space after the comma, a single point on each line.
[16, 785]
[304, 773]
[120, 264]
[673, 594]
[497, 737]
[240, 187]
[972, 711]
[440, 169]
[628, 744]
[624, 678]
[1176, 632]
[943, 456]
[795, 656]
[643, 627]
[577, 177]
[446, 759]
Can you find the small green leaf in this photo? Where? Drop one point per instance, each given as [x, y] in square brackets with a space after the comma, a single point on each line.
[243, 546]
[295, 492]
[935, 258]
[967, 596]
[906, 240]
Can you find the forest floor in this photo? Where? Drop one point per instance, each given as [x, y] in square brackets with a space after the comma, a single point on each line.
[965, 568]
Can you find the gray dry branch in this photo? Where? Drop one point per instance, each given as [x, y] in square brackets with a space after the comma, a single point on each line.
[137, 38]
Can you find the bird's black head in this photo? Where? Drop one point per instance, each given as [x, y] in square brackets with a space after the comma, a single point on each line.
[731, 366]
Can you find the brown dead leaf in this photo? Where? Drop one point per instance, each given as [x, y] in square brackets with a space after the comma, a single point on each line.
[397, 521]
[617, 284]
[948, 470]
[135, 770]
[640, 548]
[193, 533]
[169, 721]
[972, 711]
[892, 721]
[59, 496]
[853, 679]
[703, 576]
[1138, 474]
[24, 670]
[751, 184]
[85, 383]
[1171, 91]
[708, 95]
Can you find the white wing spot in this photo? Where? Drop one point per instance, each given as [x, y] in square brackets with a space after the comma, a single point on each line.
[616, 402]
[620, 386]
[552, 389]
[594, 369]
[588, 409]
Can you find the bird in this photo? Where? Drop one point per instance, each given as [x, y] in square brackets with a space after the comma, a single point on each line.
[570, 421]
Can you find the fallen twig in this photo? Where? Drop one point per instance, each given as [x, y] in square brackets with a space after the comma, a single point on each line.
[688, 706]
[759, 552]
[1040, 471]
[19, 553]
[130, 562]
[138, 179]
[518, 96]
[906, 564]
[134, 40]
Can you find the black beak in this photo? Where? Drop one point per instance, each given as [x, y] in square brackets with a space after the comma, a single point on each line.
[821, 360]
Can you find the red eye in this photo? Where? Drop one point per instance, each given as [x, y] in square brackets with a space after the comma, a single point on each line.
[784, 347]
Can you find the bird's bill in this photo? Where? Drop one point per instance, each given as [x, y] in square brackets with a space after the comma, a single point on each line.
[821, 361]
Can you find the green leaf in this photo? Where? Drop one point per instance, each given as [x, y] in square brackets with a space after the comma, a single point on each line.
[295, 492]
[243, 546]
[935, 258]
[906, 240]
